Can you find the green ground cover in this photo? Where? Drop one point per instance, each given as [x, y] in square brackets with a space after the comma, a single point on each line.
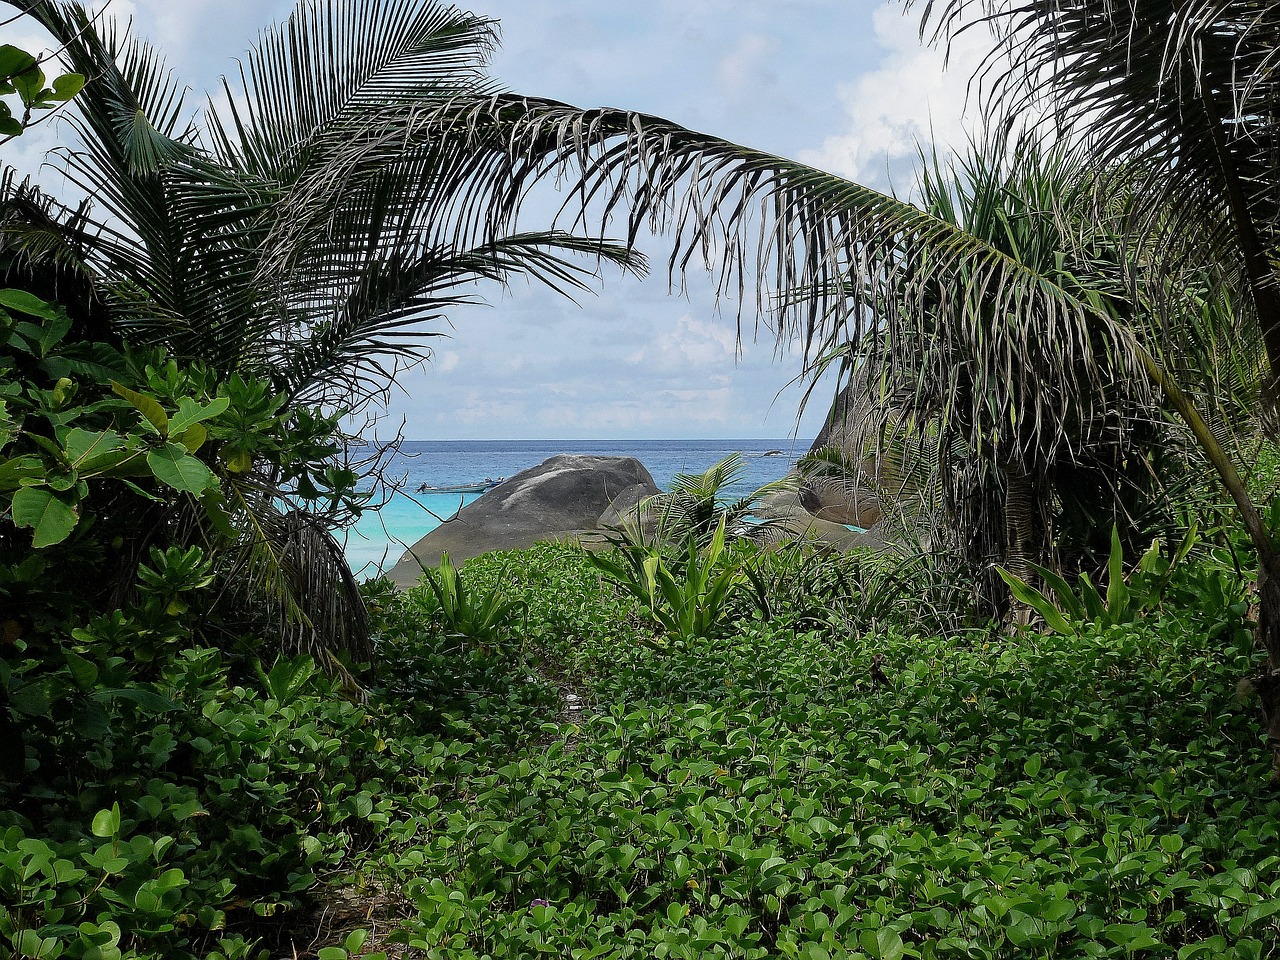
[780, 790]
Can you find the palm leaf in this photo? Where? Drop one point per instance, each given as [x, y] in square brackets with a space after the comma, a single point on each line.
[1189, 90]
[824, 255]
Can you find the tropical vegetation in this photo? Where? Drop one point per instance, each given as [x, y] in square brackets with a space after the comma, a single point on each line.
[1173, 98]
[689, 742]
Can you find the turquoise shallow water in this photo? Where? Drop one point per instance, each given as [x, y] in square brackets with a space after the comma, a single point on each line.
[377, 541]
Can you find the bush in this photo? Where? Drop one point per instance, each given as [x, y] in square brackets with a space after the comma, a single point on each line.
[770, 793]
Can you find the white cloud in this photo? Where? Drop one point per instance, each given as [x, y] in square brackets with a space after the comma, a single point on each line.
[690, 347]
[919, 95]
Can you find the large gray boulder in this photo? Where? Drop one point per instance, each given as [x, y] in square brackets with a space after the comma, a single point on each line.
[626, 506]
[561, 497]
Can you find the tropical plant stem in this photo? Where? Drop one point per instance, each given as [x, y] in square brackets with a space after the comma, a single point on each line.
[1267, 686]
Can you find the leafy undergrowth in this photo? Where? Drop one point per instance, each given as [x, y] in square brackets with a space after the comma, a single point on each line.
[779, 794]
[776, 792]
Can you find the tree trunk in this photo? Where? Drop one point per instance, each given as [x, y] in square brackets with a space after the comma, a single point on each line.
[1019, 527]
[1267, 684]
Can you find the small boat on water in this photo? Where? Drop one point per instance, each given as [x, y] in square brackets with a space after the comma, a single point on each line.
[480, 487]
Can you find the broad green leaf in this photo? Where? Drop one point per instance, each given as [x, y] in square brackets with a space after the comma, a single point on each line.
[67, 86]
[1117, 592]
[86, 449]
[193, 438]
[14, 60]
[8, 429]
[144, 698]
[239, 462]
[650, 573]
[34, 946]
[1037, 601]
[61, 481]
[215, 508]
[1189, 541]
[27, 303]
[1094, 606]
[50, 519]
[1151, 561]
[30, 700]
[1058, 910]
[29, 84]
[53, 331]
[84, 672]
[48, 446]
[883, 944]
[149, 407]
[17, 469]
[106, 823]
[172, 465]
[189, 412]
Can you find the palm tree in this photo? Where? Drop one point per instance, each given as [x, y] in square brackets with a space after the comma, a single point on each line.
[188, 247]
[830, 259]
[1189, 92]
[1004, 501]
[694, 508]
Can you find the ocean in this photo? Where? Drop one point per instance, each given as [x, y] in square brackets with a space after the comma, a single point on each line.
[379, 538]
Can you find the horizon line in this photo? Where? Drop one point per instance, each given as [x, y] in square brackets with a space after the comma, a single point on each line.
[589, 439]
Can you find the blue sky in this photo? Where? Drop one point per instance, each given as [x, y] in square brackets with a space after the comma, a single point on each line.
[842, 84]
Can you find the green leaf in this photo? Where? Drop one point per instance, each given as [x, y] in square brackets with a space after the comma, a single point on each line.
[88, 450]
[215, 508]
[50, 518]
[35, 947]
[29, 84]
[30, 700]
[143, 698]
[193, 438]
[172, 465]
[149, 407]
[27, 303]
[1038, 602]
[1117, 592]
[189, 412]
[50, 333]
[82, 671]
[14, 60]
[1067, 601]
[106, 823]
[17, 469]
[883, 944]
[239, 462]
[67, 86]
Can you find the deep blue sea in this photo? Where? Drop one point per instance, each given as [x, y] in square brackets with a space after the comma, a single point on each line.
[377, 541]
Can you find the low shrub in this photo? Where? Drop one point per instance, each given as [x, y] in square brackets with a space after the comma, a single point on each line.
[844, 794]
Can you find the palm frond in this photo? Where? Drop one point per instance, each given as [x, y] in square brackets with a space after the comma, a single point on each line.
[824, 256]
[1188, 90]
[330, 64]
[289, 570]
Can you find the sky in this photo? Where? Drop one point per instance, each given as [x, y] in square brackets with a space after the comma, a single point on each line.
[844, 85]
